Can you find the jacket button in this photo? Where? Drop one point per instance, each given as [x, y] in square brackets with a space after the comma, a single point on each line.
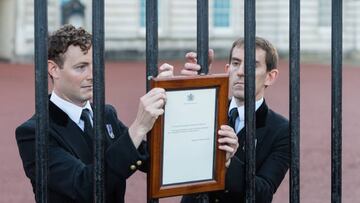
[132, 167]
[138, 163]
[217, 200]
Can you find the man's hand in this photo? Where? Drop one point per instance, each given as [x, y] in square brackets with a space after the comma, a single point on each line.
[191, 67]
[150, 108]
[166, 71]
[228, 142]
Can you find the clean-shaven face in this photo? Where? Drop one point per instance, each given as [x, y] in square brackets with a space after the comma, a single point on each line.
[74, 81]
[237, 77]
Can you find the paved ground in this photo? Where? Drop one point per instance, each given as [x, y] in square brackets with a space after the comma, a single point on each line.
[124, 85]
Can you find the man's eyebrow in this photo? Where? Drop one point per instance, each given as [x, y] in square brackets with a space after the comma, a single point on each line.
[80, 63]
[235, 59]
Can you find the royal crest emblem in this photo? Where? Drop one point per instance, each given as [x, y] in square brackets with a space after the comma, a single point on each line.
[190, 97]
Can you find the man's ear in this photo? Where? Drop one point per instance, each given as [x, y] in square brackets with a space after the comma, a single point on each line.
[53, 69]
[227, 68]
[271, 77]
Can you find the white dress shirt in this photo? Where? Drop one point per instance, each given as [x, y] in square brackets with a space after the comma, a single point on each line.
[72, 110]
[240, 121]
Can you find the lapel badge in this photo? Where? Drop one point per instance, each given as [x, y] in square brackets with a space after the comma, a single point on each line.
[110, 131]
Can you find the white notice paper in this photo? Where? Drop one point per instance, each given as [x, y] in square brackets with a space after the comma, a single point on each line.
[189, 135]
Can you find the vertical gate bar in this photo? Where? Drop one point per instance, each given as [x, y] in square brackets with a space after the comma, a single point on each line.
[99, 99]
[41, 99]
[203, 35]
[249, 49]
[294, 51]
[151, 21]
[336, 99]
[202, 38]
[151, 40]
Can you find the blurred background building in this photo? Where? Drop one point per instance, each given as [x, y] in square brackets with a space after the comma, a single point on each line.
[125, 26]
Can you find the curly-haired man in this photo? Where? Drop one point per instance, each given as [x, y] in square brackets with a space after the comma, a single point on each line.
[70, 154]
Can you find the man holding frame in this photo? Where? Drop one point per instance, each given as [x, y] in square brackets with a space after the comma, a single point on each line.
[272, 129]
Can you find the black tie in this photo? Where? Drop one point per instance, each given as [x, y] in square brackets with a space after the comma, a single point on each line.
[85, 116]
[232, 118]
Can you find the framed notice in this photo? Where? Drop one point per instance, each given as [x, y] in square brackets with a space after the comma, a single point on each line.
[183, 143]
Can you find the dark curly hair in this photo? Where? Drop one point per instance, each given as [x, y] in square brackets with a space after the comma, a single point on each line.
[67, 35]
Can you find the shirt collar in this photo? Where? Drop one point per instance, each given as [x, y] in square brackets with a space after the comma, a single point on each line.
[241, 109]
[72, 110]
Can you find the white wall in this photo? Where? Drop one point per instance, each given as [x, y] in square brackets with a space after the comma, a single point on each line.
[24, 40]
[7, 28]
[177, 21]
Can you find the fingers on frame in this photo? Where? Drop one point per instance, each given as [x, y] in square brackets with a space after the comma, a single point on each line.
[188, 72]
[191, 56]
[226, 148]
[166, 66]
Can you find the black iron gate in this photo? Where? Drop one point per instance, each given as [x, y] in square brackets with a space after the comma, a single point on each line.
[202, 44]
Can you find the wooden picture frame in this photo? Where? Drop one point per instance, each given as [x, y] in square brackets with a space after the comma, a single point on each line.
[211, 90]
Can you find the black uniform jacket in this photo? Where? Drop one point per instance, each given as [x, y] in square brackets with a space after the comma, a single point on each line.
[70, 159]
[272, 161]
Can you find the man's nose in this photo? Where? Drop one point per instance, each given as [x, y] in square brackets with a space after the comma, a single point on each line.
[90, 72]
[240, 71]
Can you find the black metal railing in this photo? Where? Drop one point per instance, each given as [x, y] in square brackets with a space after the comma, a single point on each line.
[151, 52]
[294, 98]
[98, 99]
[202, 35]
[151, 40]
[249, 71]
[41, 99]
[336, 98]
[41, 90]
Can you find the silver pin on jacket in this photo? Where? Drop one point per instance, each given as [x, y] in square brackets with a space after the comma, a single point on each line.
[110, 131]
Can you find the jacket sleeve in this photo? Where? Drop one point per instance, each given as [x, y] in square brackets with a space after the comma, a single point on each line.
[70, 176]
[131, 156]
[269, 175]
[67, 175]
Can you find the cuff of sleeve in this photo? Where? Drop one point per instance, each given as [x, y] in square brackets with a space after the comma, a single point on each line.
[123, 158]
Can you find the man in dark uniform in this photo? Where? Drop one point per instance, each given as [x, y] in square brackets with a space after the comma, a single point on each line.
[70, 151]
[272, 129]
[70, 154]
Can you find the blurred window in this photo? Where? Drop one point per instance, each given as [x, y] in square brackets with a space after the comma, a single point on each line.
[64, 1]
[143, 13]
[221, 13]
[324, 10]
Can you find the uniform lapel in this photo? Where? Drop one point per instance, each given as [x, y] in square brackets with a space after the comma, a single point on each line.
[261, 115]
[68, 133]
[260, 131]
